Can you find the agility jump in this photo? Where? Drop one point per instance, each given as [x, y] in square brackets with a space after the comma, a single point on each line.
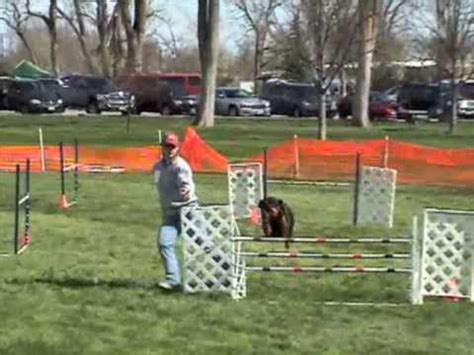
[224, 268]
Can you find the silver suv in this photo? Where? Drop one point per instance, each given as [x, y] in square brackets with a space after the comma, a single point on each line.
[466, 99]
[234, 101]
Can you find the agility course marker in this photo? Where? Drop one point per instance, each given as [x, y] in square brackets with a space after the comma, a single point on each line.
[64, 204]
[245, 183]
[22, 203]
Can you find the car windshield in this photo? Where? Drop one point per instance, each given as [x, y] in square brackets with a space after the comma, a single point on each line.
[50, 84]
[466, 90]
[102, 84]
[425, 92]
[237, 93]
[305, 92]
[29, 87]
[378, 97]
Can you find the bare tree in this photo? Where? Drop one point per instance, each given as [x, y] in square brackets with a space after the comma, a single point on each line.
[134, 30]
[208, 38]
[450, 24]
[50, 21]
[15, 18]
[259, 16]
[329, 25]
[369, 12]
[77, 23]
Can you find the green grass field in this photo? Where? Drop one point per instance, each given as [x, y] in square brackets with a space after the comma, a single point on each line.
[88, 283]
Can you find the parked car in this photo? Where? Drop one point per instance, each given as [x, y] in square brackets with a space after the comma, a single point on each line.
[155, 92]
[31, 96]
[466, 99]
[392, 93]
[295, 99]
[182, 84]
[421, 99]
[5, 85]
[233, 101]
[380, 106]
[95, 94]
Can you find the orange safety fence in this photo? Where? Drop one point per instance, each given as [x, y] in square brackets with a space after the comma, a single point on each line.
[298, 158]
[306, 159]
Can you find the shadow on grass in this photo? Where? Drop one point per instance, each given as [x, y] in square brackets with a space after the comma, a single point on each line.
[79, 282]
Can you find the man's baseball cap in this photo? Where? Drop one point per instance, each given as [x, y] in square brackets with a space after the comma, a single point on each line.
[170, 139]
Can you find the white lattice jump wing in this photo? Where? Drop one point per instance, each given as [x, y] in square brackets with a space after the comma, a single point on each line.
[447, 263]
[376, 196]
[208, 250]
[245, 183]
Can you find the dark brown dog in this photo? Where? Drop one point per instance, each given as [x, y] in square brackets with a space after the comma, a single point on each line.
[277, 219]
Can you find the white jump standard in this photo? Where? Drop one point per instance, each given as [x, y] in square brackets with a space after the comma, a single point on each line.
[245, 183]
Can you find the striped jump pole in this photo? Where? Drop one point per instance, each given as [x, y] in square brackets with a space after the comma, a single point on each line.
[305, 255]
[324, 240]
[335, 269]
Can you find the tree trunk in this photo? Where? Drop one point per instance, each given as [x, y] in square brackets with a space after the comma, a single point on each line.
[257, 60]
[453, 114]
[80, 33]
[103, 31]
[322, 119]
[208, 38]
[53, 48]
[135, 32]
[52, 27]
[51, 23]
[368, 23]
[31, 54]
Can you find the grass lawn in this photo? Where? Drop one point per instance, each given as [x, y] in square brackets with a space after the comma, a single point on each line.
[87, 284]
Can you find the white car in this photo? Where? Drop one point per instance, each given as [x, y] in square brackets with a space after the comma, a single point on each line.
[233, 101]
[466, 99]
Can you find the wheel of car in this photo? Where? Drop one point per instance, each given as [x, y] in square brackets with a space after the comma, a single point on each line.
[166, 111]
[92, 107]
[296, 112]
[233, 111]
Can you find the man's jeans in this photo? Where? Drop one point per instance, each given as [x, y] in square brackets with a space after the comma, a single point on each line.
[167, 241]
[167, 245]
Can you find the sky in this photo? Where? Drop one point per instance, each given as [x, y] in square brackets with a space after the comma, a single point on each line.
[183, 15]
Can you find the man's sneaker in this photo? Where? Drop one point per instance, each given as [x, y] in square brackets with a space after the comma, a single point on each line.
[166, 285]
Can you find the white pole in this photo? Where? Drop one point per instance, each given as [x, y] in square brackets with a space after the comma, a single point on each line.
[159, 137]
[385, 155]
[415, 289]
[297, 156]
[43, 158]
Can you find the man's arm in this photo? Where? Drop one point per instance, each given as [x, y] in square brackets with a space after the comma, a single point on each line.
[185, 182]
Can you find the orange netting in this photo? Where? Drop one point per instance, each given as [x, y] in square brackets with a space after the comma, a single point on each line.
[303, 159]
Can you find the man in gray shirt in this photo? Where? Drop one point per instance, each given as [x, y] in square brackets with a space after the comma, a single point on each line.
[175, 185]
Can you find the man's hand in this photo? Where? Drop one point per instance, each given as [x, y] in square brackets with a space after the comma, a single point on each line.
[185, 193]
